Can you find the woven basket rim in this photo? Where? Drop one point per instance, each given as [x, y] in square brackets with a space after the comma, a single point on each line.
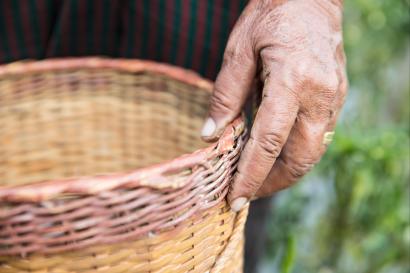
[145, 176]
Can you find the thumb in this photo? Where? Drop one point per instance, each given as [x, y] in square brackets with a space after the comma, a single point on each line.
[231, 89]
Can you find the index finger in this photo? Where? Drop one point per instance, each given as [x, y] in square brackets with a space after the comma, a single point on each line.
[273, 123]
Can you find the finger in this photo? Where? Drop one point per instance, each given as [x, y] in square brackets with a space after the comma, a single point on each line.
[232, 87]
[307, 141]
[274, 120]
[304, 148]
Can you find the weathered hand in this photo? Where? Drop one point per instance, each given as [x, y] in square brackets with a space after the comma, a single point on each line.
[298, 47]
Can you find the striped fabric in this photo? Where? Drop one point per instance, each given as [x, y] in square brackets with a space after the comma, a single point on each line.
[188, 33]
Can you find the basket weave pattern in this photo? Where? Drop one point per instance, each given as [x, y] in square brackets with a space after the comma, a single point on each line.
[210, 243]
[83, 126]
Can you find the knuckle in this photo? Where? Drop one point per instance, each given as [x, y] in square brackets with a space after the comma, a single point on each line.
[237, 57]
[270, 144]
[298, 168]
[344, 85]
[250, 184]
[237, 52]
[220, 101]
[230, 54]
[247, 182]
[321, 76]
[331, 82]
[328, 82]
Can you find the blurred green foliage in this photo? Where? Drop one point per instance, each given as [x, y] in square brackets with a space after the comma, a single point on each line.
[376, 37]
[367, 221]
[351, 214]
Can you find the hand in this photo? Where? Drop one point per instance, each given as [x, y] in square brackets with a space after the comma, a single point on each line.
[297, 46]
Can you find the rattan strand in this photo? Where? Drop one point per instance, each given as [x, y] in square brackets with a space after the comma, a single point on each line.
[204, 243]
[84, 126]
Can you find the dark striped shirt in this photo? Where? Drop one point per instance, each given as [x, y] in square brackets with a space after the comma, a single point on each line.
[187, 33]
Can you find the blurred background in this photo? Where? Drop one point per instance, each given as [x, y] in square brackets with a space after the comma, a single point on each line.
[351, 214]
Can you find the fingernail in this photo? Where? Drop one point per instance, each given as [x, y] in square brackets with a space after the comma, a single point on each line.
[209, 128]
[238, 204]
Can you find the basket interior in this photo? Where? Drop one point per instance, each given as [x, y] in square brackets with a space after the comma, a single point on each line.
[83, 122]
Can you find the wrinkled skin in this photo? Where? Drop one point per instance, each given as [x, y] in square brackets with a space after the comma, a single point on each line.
[296, 49]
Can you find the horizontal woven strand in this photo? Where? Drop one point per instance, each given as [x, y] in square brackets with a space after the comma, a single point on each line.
[197, 239]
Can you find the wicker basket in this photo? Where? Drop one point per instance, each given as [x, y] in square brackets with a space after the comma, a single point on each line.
[82, 186]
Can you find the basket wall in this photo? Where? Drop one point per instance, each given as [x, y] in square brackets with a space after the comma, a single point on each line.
[96, 131]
